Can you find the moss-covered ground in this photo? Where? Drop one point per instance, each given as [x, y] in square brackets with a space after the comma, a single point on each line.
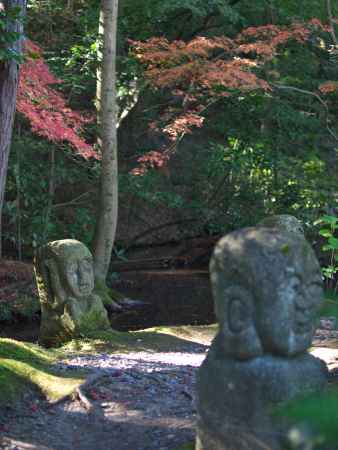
[25, 365]
[187, 446]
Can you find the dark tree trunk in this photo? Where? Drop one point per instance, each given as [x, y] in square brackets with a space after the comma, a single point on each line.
[9, 73]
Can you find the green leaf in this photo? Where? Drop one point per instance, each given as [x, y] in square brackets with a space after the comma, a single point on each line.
[332, 220]
[324, 232]
[333, 242]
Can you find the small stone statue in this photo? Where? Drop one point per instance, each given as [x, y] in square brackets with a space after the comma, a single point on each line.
[267, 288]
[65, 279]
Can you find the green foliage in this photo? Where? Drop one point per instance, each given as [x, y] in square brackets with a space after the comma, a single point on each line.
[257, 154]
[31, 217]
[317, 412]
[7, 36]
[150, 18]
[330, 305]
[152, 189]
[329, 231]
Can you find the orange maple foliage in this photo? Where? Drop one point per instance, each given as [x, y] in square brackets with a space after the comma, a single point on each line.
[328, 87]
[205, 69]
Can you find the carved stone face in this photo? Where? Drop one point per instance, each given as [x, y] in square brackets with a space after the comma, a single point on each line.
[80, 276]
[75, 267]
[286, 314]
[267, 288]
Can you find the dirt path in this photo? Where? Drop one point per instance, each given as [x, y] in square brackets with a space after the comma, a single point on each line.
[141, 401]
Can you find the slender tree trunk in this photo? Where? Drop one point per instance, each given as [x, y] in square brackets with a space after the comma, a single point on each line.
[106, 104]
[9, 75]
[331, 21]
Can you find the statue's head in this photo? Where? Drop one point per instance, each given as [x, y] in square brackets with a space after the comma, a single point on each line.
[283, 222]
[66, 267]
[267, 288]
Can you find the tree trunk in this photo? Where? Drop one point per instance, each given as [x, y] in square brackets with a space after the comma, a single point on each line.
[9, 75]
[106, 105]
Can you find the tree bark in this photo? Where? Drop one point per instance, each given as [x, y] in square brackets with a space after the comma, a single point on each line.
[331, 22]
[9, 76]
[107, 114]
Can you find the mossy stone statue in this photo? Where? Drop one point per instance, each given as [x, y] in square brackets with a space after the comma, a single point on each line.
[65, 279]
[267, 289]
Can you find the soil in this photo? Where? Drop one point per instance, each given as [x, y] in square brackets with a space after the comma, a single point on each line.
[136, 401]
[131, 401]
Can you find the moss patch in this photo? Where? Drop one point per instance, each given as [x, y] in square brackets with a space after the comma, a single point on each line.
[25, 365]
[187, 446]
[159, 339]
[107, 295]
[201, 334]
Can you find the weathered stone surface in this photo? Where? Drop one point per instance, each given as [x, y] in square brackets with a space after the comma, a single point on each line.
[283, 222]
[65, 279]
[267, 289]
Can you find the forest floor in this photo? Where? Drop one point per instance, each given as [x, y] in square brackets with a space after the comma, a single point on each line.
[141, 398]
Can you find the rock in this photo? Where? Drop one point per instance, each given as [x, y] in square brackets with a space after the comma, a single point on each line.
[267, 289]
[65, 279]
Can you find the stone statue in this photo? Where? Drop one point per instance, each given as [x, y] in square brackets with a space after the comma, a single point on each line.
[65, 279]
[283, 222]
[267, 288]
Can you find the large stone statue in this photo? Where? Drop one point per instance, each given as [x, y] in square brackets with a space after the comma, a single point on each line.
[267, 288]
[65, 279]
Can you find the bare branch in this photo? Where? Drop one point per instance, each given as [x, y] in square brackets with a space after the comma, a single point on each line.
[75, 201]
[313, 94]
